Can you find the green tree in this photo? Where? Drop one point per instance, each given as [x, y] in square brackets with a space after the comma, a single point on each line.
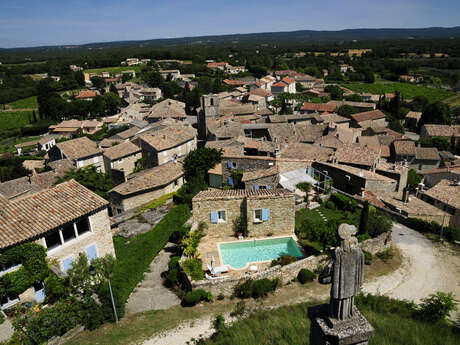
[396, 125]
[413, 180]
[335, 92]
[98, 106]
[395, 105]
[112, 103]
[436, 307]
[441, 143]
[113, 88]
[100, 183]
[369, 77]
[199, 161]
[98, 82]
[80, 78]
[354, 98]
[346, 110]
[436, 113]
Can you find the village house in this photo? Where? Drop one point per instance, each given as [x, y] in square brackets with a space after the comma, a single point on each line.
[284, 85]
[66, 219]
[317, 108]
[46, 143]
[122, 158]
[145, 186]
[426, 159]
[451, 133]
[71, 127]
[374, 118]
[444, 196]
[174, 73]
[81, 152]
[167, 109]
[235, 69]
[86, 95]
[267, 212]
[261, 179]
[217, 65]
[359, 106]
[169, 144]
[150, 94]
[433, 177]
[411, 120]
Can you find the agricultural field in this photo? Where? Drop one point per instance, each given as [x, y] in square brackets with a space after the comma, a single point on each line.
[24, 103]
[114, 70]
[15, 119]
[408, 91]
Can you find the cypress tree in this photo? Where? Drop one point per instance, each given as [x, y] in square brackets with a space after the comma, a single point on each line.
[364, 219]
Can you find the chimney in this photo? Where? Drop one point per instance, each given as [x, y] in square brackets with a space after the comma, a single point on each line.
[405, 197]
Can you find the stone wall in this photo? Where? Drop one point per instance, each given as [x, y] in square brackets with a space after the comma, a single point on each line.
[67, 336]
[282, 216]
[126, 164]
[285, 273]
[96, 160]
[122, 203]
[271, 181]
[154, 158]
[232, 207]
[381, 186]
[245, 164]
[286, 165]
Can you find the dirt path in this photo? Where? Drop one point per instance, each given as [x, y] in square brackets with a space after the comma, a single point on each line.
[426, 267]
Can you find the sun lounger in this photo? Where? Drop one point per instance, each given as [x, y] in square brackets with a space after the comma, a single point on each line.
[213, 278]
[217, 270]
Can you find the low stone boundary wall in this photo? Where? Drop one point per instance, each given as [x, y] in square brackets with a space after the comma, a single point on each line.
[285, 273]
[67, 336]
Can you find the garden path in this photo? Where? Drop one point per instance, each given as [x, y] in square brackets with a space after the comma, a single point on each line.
[150, 294]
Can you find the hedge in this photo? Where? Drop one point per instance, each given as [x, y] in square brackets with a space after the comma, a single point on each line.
[450, 234]
[135, 254]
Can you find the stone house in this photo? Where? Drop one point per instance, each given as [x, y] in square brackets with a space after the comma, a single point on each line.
[353, 180]
[308, 107]
[359, 106]
[261, 179]
[243, 164]
[444, 196]
[167, 109]
[284, 85]
[168, 144]
[81, 152]
[403, 151]
[433, 177]
[452, 133]
[122, 157]
[267, 212]
[374, 118]
[67, 219]
[426, 159]
[46, 143]
[411, 120]
[71, 127]
[215, 176]
[145, 186]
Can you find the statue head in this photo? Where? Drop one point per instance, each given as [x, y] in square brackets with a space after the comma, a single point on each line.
[347, 240]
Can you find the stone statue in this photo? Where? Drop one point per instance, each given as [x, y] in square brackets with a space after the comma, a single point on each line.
[340, 322]
[345, 272]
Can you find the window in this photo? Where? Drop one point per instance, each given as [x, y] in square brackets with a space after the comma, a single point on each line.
[83, 226]
[53, 240]
[230, 181]
[8, 300]
[67, 264]
[261, 215]
[91, 252]
[218, 216]
[68, 232]
[95, 159]
[8, 266]
[221, 216]
[231, 165]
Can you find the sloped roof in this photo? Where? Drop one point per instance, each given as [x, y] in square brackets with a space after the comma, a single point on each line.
[169, 137]
[306, 152]
[427, 153]
[404, 147]
[319, 107]
[146, 180]
[368, 115]
[254, 175]
[78, 148]
[217, 194]
[354, 154]
[447, 192]
[34, 215]
[121, 150]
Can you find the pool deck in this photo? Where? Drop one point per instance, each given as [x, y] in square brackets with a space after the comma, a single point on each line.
[209, 247]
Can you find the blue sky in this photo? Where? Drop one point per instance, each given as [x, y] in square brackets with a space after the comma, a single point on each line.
[49, 22]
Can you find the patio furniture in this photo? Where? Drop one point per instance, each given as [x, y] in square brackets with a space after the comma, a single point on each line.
[214, 278]
[253, 268]
[217, 270]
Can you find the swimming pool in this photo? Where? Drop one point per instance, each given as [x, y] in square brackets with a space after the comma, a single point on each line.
[239, 253]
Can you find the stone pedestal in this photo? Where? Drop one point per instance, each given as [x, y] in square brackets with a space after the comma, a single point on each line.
[326, 331]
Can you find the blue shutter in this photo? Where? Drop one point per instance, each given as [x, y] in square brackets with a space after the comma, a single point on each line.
[229, 165]
[230, 181]
[265, 214]
[67, 263]
[256, 187]
[214, 217]
[91, 252]
[268, 187]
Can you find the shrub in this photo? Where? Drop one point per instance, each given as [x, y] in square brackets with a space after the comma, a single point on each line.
[284, 260]
[256, 288]
[219, 324]
[306, 276]
[330, 205]
[304, 186]
[378, 223]
[343, 202]
[193, 267]
[367, 257]
[55, 288]
[193, 297]
[262, 287]
[91, 314]
[2, 317]
[436, 307]
[386, 305]
[363, 237]
[191, 242]
[106, 303]
[450, 234]
[240, 310]
[220, 297]
[385, 255]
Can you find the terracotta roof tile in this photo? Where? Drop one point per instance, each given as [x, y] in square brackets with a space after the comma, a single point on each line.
[254, 175]
[447, 192]
[318, 107]
[217, 194]
[404, 147]
[368, 115]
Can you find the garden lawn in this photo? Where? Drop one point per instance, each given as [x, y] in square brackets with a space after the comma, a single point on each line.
[290, 325]
[306, 214]
[15, 119]
[135, 254]
[408, 91]
[24, 103]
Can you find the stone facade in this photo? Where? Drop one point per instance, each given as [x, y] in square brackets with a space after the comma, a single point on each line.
[279, 219]
[271, 181]
[125, 164]
[230, 164]
[154, 158]
[121, 203]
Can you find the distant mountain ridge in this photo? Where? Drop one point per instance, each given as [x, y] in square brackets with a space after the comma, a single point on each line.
[298, 36]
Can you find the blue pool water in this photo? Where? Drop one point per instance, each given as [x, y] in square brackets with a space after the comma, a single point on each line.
[238, 254]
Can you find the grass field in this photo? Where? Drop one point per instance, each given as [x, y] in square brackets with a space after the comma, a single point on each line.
[7, 145]
[114, 70]
[408, 91]
[29, 102]
[15, 119]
